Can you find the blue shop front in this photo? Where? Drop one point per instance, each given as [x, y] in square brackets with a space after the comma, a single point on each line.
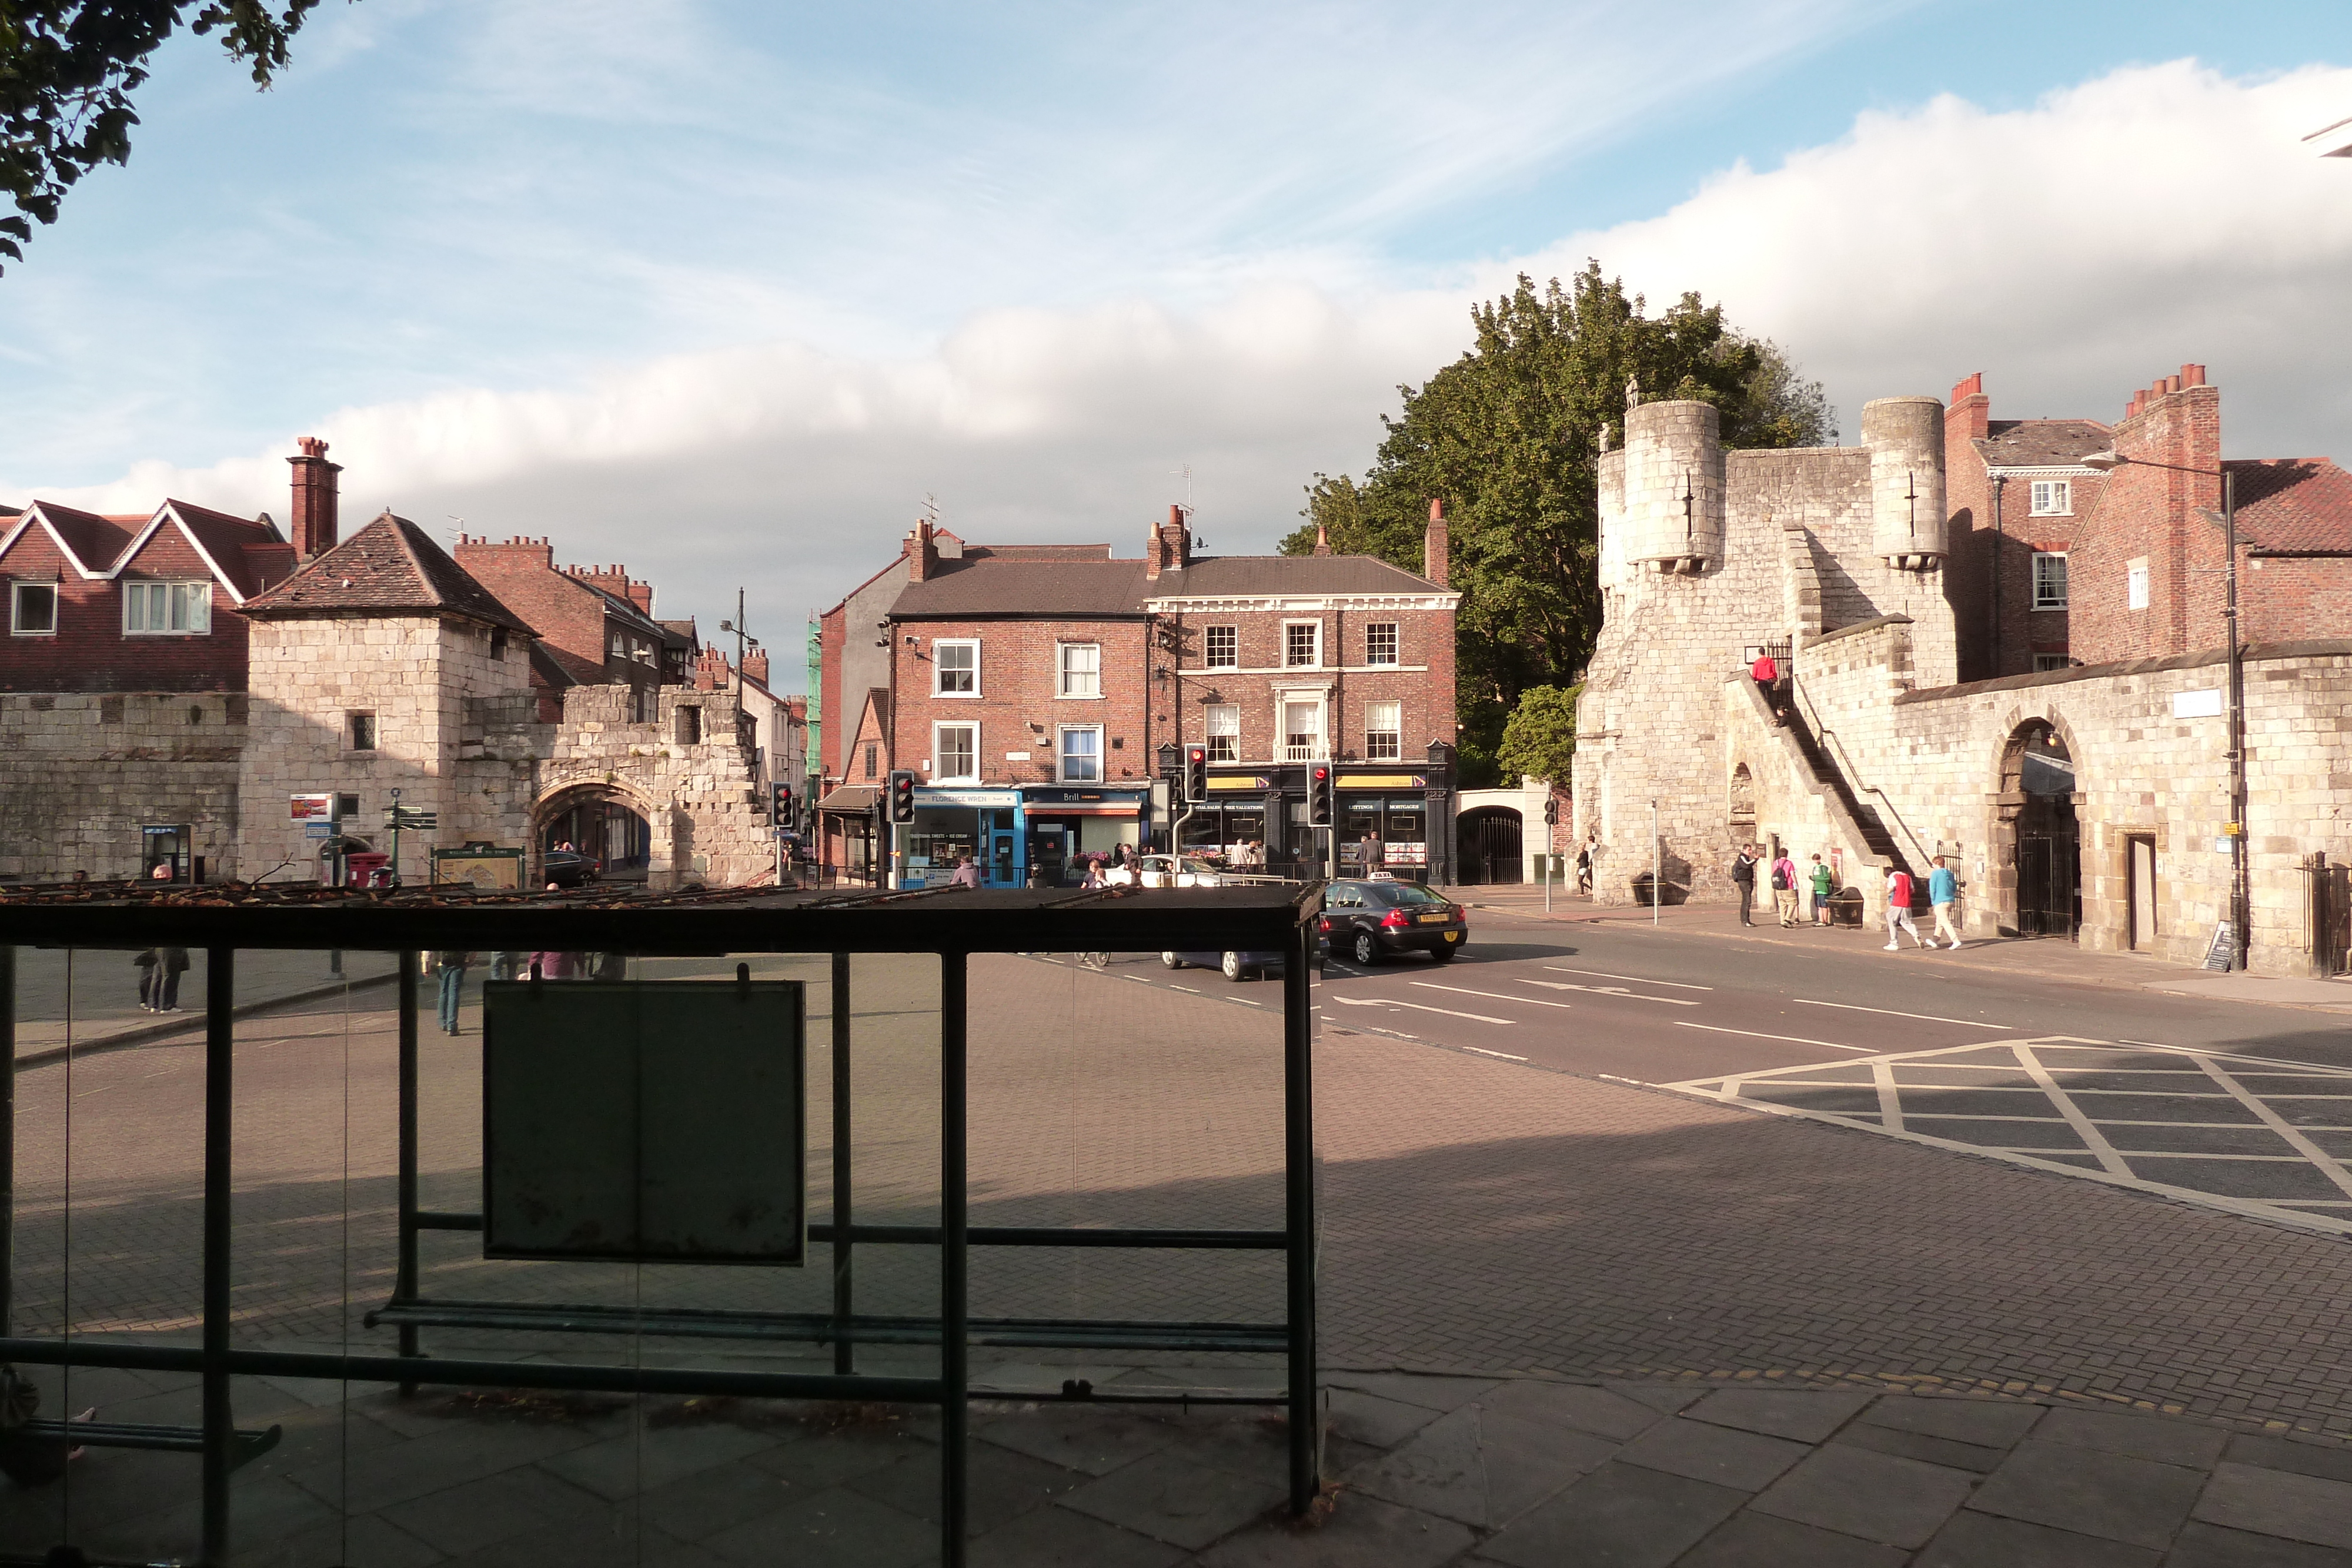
[1015, 830]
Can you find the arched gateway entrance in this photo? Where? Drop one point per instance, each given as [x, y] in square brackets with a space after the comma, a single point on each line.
[600, 822]
[1488, 839]
[2042, 844]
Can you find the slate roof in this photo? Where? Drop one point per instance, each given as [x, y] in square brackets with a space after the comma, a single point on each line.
[2294, 506]
[101, 544]
[95, 541]
[2041, 443]
[996, 580]
[239, 546]
[389, 565]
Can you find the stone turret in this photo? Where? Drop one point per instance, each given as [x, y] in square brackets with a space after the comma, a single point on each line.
[1673, 516]
[1906, 438]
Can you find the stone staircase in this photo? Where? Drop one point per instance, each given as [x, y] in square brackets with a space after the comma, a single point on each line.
[1862, 822]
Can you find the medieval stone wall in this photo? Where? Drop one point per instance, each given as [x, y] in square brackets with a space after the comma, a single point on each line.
[81, 772]
[686, 771]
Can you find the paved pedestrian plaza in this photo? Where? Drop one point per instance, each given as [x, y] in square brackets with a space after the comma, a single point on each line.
[1563, 1320]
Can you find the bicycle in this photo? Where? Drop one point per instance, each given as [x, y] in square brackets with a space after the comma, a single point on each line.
[1095, 960]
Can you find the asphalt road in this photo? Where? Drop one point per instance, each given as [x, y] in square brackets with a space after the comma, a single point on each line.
[2239, 1106]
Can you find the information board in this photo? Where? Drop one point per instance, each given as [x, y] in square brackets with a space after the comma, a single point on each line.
[646, 1121]
[492, 870]
[2223, 951]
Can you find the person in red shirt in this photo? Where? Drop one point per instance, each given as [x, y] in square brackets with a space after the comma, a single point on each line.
[1767, 675]
[1898, 908]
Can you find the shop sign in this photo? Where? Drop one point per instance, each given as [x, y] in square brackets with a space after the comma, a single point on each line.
[966, 797]
[1381, 782]
[1217, 784]
[311, 807]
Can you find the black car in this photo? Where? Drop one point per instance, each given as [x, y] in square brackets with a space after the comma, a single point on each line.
[567, 868]
[1232, 965]
[1369, 920]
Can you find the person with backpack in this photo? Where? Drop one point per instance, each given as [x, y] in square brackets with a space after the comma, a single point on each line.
[1944, 893]
[1743, 877]
[1825, 884]
[1899, 908]
[1784, 890]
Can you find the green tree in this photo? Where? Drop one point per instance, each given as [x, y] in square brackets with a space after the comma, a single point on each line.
[1539, 739]
[1507, 437]
[68, 68]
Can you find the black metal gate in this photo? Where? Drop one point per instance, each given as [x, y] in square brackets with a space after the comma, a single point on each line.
[1490, 846]
[2327, 913]
[2049, 885]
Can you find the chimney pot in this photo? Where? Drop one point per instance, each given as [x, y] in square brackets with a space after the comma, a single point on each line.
[2192, 375]
[313, 519]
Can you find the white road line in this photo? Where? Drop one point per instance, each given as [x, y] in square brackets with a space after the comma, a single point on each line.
[1136, 978]
[1604, 991]
[1890, 1097]
[2085, 1128]
[1890, 1012]
[1505, 1055]
[1186, 990]
[1241, 1001]
[1385, 1002]
[1792, 1040]
[1679, 985]
[2187, 1154]
[1492, 996]
[2288, 1132]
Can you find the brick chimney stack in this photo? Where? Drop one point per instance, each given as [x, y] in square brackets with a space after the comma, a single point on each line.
[1970, 417]
[1432, 545]
[755, 665]
[922, 552]
[1169, 548]
[313, 519]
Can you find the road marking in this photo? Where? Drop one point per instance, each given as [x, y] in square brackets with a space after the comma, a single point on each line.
[1136, 978]
[1482, 1050]
[1494, 996]
[1890, 1099]
[1241, 1001]
[1186, 990]
[1680, 985]
[1449, 1012]
[2085, 1128]
[1603, 991]
[2286, 1130]
[1792, 1040]
[1928, 1018]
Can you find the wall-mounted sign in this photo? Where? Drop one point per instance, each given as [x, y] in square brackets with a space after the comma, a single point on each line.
[490, 869]
[1381, 782]
[2197, 705]
[646, 1120]
[311, 807]
[1219, 784]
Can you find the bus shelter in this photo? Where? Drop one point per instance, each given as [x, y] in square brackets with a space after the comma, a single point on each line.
[664, 1122]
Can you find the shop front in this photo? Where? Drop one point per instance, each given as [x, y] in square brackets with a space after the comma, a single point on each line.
[1407, 815]
[1384, 823]
[950, 824]
[1061, 824]
[1239, 812]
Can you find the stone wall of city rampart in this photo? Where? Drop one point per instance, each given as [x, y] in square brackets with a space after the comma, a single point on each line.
[690, 779]
[81, 772]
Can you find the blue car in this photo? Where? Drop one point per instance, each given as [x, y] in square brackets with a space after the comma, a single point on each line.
[1233, 966]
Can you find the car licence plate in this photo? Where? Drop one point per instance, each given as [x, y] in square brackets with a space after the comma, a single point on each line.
[1433, 919]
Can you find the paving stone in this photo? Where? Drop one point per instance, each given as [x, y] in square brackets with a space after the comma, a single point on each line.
[2112, 1496]
[613, 1540]
[461, 1519]
[1056, 1538]
[1481, 1467]
[2287, 1454]
[1440, 1394]
[1877, 1497]
[817, 1463]
[831, 1529]
[999, 1485]
[1174, 1499]
[713, 1500]
[365, 1542]
[1800, 1414]
[1915, 1446]
[1577, 1405]
[637, 1462]
[1750, 1539]
[1665, 1398]
[1685, 1447]
[2167, 1442]
[1368, 1419]
[1974, 1539]
[1361, 1532]
[2279, 1502]
[1093, 1441]
[1620, 1516]
[1253, 1442]
[2210, 1546]
[1984, 1423]
[449, 1456]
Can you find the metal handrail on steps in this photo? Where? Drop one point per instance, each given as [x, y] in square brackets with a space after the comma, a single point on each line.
[1845, 762]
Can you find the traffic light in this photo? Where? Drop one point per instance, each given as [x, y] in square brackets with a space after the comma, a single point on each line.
[901, 792]
[1551, 812]
[780, 806]
[1196, 773]
[1319, 795]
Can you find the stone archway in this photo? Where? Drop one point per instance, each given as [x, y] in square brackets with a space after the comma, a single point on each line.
[609, 823]
[2037, 859]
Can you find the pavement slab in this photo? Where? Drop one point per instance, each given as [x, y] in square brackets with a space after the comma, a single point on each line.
[1877, 1497]
[1743, 1461]
[1760, 1541]
[1985, 1540]
[2279, 1502]
[1801, 1415]
[1171, 1498]
[2111, 1496]
[2210, 1546]
[1360, 1532]
[1620, 1516]
[1480, 1466]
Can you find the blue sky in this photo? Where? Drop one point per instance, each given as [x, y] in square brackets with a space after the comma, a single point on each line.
[724, 292]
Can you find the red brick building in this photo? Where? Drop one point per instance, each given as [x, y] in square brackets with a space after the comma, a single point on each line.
[1038, 691]
[596, 624]
[2016, 488]
[2151, 567]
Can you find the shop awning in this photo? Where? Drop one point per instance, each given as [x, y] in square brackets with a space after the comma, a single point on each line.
[851, 798]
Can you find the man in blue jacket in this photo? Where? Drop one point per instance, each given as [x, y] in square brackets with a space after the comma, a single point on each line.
[1944, 892]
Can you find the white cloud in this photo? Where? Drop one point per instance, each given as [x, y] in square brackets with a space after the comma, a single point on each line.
[2073, 251]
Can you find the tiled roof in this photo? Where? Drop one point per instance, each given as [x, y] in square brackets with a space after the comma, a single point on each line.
[95, 542]
[391, 565]
[2294, 506]
[2041, 443]
[996, 581]
[226, 539]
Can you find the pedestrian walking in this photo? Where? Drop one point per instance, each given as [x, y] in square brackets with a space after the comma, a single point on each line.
[1944, 892]
[1743, 877]
[1368, 853]
[1899, 908]
[160, 969]
[451, 965]
[555, 966]
[1825, 884]
[1784, 890]
[148, 990]
[1766, 673]
[508, 966]
[1585, 863]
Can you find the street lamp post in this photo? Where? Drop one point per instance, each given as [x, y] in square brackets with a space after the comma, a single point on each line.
[2240, 869]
